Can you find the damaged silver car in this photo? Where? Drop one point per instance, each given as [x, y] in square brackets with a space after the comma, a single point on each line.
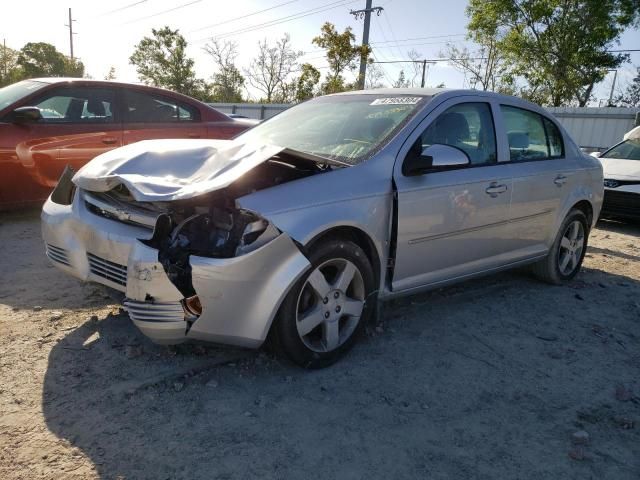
[296, 229]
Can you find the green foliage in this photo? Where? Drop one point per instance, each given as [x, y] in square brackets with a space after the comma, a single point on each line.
[9, 70]
[307, 82]
[111, 75]
[161, 61]
[228, 82]
[342, 55]
[559, 47]
[43, 60]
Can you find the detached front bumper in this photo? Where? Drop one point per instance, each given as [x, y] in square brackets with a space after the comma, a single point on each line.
[240, 296]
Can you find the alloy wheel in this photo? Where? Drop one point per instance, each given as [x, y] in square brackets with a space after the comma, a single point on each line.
[330, 305]
[571, 246]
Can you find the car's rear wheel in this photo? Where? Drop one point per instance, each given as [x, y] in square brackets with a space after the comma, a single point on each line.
[324, 312]
[567, 252]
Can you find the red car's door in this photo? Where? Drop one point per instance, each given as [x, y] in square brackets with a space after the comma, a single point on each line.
[148, 115]
[78, 123]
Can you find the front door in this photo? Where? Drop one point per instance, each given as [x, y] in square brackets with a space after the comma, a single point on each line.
[452, 223]
[78, 123]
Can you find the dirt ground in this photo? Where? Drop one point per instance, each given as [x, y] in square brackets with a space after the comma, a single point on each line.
[495, 378]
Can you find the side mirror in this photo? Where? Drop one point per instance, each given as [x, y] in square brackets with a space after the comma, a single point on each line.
[26, 115]
[433, 158]
[595, 154]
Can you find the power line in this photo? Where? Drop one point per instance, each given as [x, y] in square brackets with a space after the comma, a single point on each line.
[475, 58]
[424, 38]
[116, 10]
[163, 12]
[242, 17]
[286, 19]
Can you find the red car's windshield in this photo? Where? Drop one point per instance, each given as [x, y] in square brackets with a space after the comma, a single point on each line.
[12, 93]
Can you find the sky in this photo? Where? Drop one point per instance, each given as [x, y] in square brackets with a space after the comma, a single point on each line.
[107, 32]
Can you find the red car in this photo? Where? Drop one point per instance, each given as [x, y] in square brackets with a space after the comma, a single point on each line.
[48, 123]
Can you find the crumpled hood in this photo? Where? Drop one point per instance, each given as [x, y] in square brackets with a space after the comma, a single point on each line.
[166, 170]
[621, 169]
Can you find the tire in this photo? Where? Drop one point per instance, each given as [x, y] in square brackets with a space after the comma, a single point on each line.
[320, 319]
[557, 268]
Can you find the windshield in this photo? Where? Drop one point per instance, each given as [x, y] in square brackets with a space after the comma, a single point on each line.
[627, 150]
[347, 128]
[12, 93]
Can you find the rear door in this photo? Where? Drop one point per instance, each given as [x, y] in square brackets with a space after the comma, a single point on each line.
[542, 178]
[148, 116]
[452, 223]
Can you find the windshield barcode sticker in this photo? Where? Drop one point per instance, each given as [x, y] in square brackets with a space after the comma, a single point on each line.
[396, 101]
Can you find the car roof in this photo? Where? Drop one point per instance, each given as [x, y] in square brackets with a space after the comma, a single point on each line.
[53, 80]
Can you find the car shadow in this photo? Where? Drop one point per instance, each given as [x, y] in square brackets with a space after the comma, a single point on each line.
[196, 411]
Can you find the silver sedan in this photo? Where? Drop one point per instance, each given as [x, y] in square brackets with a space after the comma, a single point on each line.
[296, 229]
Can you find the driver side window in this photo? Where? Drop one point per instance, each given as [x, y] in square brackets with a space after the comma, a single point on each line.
[77, 105]
[467, 127]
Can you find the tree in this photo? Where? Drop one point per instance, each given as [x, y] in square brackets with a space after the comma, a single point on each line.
[306, 83]
[270, 70]
[559, 47]
[41, 59]
[485, 67]
[161, 61]
[111, 75]
[342, 55]
[374, 77]
[9, 70]
[631, 96]
[227, 81]
[401, 82]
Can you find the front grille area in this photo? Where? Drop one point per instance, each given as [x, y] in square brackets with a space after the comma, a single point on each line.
[57, 254]
[111, 271]
[123, 210]
[621, 203]
[159, 312]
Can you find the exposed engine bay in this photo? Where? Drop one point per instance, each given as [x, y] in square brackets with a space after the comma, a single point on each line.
[212, 226]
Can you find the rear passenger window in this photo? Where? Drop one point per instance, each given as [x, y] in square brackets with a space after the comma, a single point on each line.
[556, 146]
[142, 107]
[468, 127]
[530, 135]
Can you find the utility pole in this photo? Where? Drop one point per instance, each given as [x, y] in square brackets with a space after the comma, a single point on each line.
[71, 20]
[424, 71]
[613, 85]
[366, 14]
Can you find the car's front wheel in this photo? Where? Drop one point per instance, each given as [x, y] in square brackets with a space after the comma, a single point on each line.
[567, 252]
[326, 309]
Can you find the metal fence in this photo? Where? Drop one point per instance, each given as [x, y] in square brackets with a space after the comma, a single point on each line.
[597, 128]
[258, 111]
[593, 128]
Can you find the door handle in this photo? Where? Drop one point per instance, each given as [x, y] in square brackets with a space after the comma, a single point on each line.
[193, 135]
[494, 189]
[109, 140]
[560, 180]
